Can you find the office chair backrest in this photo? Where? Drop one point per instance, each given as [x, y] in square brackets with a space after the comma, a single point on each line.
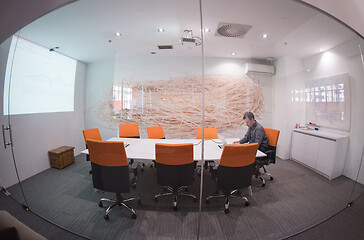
[155, 132]
[91, 134]
[174, 164]
[174, 154]
[273, 135]
[110, 170]
[236, 166]
[129, 131]
[238, 155]
[210, 133]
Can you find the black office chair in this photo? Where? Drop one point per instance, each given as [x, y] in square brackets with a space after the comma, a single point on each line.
[131, 131]
[174, 166]
[110, 172]
[273, 135]
[235, 172]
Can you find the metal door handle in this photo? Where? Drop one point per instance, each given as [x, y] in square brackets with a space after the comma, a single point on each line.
[5, 143]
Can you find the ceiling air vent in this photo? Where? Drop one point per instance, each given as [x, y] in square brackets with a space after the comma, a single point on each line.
[165, 47]
[232, 30]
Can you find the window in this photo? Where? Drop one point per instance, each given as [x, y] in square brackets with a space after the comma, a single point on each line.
[122, 98]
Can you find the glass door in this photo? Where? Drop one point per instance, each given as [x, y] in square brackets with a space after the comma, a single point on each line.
[12, 170]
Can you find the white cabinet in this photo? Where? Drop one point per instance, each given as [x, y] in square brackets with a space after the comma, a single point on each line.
[321, 151]
[326, 155]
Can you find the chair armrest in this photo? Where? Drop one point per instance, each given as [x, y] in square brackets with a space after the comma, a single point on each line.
[270, 154]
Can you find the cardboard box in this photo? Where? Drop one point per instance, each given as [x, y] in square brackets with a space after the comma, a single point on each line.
[61, 157]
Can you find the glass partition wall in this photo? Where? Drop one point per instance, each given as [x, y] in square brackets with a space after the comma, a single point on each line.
[12, 172]
[296, 69]
[182, 66]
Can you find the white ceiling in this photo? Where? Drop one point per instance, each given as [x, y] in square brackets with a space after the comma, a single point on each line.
[82, 30]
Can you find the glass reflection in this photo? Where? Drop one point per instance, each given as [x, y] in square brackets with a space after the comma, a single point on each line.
[311, 166]
[126, 78]
[131, 77]
[12, 171]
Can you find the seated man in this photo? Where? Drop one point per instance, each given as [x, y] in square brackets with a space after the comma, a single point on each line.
[255, 133]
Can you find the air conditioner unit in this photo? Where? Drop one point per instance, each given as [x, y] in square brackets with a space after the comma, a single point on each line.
[259, 68]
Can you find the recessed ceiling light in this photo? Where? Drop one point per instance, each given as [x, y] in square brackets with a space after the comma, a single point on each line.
[233, 53]
[206, 29]
[160, 29]
[265, 35]
[321, 49]
[308, 70]
[117, 34]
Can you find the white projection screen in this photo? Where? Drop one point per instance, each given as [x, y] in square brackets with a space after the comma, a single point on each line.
[40, 80]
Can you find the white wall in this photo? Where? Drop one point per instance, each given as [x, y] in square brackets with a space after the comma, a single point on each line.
[286, 114]
[99, 82]
[35, 134]
[345, 59]
[291, 74]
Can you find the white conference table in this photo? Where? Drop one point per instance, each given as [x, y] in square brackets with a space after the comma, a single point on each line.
[144, 149]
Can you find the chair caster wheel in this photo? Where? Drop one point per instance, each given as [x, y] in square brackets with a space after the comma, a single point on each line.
[133, 187]
[100, 204]
[155, 199]
[271, 178]
[263, 184]
[133, 216]
[139, 202]
[247, 203]
[106, 217]
[175, 208]
[227, 211]
[207, 202]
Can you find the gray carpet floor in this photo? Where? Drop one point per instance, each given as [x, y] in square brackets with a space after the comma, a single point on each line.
[297, 199]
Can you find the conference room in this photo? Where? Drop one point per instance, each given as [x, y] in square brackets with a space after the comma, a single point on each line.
[184, 68]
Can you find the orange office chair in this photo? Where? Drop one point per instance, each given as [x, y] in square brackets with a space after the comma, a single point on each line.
[235, 171]
[110, 172]
[155, 132]
[210, 133]
[273, 135]
[91, 134]
[131, 131]
[174, 166]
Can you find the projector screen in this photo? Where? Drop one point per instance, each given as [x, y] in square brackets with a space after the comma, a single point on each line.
[40, 80]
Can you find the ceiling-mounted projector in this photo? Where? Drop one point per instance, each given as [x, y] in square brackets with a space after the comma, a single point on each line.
[186, 40]
[189, 39]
